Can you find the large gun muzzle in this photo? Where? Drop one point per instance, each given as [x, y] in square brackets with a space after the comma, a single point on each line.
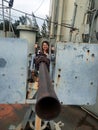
[47, 106]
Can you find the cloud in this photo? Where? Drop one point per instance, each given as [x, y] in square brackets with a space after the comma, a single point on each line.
[39, 7]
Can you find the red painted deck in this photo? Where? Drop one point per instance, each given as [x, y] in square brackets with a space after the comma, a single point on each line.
[73, 117]
[11, 115]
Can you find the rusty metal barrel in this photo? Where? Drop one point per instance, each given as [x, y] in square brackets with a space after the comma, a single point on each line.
[47, 106]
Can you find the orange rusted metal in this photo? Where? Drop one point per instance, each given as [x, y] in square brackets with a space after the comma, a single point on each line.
[37, 123]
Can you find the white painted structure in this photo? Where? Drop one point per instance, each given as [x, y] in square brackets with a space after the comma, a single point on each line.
[70, 20]
[28, 33]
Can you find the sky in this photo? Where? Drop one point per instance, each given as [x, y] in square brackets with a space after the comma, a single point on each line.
[40, 8]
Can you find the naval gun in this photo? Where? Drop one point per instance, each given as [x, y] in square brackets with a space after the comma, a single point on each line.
[47, 105]
[14, 89]
[75, 76]
[74, 72]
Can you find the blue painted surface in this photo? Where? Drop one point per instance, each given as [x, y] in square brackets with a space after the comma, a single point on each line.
[13, 70]
[76, 73]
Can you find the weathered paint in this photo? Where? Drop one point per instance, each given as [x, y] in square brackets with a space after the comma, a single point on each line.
[77, 81]
[13, 70]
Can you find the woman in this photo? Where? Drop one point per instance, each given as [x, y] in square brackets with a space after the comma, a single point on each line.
[44, 50]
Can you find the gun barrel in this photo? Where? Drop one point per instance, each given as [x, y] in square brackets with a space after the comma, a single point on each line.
[47, 106]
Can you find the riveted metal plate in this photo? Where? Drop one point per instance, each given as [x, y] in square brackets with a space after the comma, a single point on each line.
[13, 70]
[76, 73]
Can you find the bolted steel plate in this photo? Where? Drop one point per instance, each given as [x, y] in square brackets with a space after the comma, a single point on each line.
[13, 70]
[76, 73]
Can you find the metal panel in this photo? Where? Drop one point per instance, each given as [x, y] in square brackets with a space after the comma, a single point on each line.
[13, 70]
[93, 108]
[76, 73]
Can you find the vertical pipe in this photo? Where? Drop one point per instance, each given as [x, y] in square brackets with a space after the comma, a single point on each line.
[59, 19]
[9, 19]
[73, 19]
[3, 17]
[91, 28]
[52, 19]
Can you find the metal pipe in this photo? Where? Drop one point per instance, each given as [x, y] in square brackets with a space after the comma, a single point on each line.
[9, 19]
[59, 20]
[47, 105]
[52, 15]
[73, 20]
[91, 28]
[3, 17]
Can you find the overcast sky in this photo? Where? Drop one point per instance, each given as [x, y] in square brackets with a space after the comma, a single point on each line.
[39, 7]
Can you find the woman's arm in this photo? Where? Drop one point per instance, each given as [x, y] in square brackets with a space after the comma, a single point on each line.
[32, 66]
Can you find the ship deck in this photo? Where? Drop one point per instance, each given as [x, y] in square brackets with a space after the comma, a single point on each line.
[73, 117]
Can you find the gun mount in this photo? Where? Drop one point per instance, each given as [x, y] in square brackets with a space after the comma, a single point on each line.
[75, 75]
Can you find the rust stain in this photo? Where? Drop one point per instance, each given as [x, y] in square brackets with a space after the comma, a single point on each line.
[88, 52]
[58, 77]
[11, 114]
[87, 56]
[90, 56]
[93, 57]
[87, 59]
[9, 110]
[91, 83]
[59, 69]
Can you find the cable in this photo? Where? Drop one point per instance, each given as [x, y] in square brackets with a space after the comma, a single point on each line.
[63, 24]
[39, 6]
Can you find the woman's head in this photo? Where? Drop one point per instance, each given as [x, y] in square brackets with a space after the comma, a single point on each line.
[45, 46]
